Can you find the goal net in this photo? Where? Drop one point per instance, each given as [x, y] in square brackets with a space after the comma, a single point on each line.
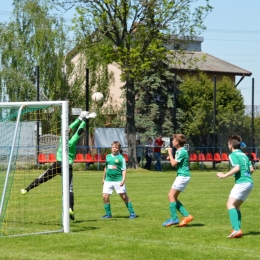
[31, 133]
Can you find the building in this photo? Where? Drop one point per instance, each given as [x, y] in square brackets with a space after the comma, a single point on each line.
[188, 50]
[193, 60]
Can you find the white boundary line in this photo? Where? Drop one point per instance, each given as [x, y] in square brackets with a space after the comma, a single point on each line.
[175, 243]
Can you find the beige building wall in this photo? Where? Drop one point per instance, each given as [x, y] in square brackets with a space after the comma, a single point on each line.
[116, 93]
[80, 64]
[116, 90]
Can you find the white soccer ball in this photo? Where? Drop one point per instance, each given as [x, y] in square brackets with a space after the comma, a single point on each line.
[97, 97]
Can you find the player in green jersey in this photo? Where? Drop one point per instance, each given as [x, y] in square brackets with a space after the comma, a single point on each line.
[242, 170]
[114, 179]
[56, 168]
[181, 162]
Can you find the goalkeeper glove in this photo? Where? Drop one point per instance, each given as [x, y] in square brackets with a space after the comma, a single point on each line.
[91, 115]
[83, 115]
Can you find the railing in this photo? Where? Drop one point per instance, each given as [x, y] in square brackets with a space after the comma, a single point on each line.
[92, 154]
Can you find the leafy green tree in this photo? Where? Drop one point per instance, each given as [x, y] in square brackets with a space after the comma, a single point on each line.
[195, 108]
[247, 130]
[36, 37]
[154, 102]
[134, 34]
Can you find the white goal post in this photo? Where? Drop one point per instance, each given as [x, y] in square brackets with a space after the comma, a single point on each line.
[30, 130]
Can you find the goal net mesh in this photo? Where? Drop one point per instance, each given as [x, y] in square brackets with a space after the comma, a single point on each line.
[27, 134]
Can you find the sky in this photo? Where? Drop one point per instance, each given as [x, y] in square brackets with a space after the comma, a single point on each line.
[232, 34]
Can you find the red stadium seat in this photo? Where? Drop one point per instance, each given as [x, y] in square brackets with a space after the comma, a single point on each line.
[224, 157]
[209, 157]
[79, 158]
[52, 158]
[42, 158]
[254, 158]
[104, 156]
[126, 157]
[217, 158]
[201, 157]
[98, 158]
[193, 157]
[89, 158]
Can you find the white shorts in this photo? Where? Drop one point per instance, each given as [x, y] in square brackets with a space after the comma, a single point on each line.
[110, 186]
[180, 183]
[241, 191]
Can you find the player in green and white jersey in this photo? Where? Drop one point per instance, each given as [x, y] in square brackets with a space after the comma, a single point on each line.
[242, 170]
[114, 179]
[181, 162]
[56, 168]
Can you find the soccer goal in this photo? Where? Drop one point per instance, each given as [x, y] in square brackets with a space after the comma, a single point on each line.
[31, 133]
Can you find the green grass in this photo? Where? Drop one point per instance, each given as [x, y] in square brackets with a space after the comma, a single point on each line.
[144, 237]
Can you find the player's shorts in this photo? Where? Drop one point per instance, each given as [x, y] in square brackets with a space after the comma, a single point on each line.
[110, 186]
[180, 183]
[241, 191]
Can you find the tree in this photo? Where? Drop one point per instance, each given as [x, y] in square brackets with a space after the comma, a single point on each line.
[33, 37]
[154, 102]
[195, 108]
[247, 131]
[134, 34]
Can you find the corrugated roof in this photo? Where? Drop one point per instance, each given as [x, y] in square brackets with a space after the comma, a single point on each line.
[205, 62]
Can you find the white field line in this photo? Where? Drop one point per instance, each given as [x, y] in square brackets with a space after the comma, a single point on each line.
[178, 244]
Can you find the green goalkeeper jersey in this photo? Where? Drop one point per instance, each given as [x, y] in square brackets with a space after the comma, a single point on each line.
[182, 158]
[238, 158]
[115, 164]
[73, 140]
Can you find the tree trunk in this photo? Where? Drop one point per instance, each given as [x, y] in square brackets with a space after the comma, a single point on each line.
[130, 123]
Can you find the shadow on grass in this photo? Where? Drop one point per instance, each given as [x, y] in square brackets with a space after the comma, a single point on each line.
[82, 221]
[193, 225]
[125, 217]
[252, 233]
[75, 229]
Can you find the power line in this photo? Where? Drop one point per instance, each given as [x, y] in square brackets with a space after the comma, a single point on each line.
[232, 31]
[250, 87]
[224, 40]
[2, 11]
[256, 60]
[226, 54]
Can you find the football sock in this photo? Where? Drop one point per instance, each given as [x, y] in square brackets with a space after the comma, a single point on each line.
[173, 210]
[181, 209]
[233, 216]
[43, 178]
[107, 209]
[130, 207]
[239, 218]
[72, 200]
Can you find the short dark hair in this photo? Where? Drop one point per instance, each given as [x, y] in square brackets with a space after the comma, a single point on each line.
[180, 138]
[117, 143]
[235, 141]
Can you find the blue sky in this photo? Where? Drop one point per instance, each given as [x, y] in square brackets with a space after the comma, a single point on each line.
[232, 35]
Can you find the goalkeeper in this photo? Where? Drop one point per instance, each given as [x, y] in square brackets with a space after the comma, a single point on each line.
[56, 168]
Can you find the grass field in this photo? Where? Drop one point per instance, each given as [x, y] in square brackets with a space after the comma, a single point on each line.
[144, 237]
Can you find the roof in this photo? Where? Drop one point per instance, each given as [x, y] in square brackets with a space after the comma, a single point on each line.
[202, 61]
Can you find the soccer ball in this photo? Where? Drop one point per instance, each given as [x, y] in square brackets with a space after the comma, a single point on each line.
[97, 97]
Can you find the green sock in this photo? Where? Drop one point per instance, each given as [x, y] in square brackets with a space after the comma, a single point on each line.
[181, 209]
[173, 210]
[130, 207]
[234, 218]
[107, 209]
[239, 218]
